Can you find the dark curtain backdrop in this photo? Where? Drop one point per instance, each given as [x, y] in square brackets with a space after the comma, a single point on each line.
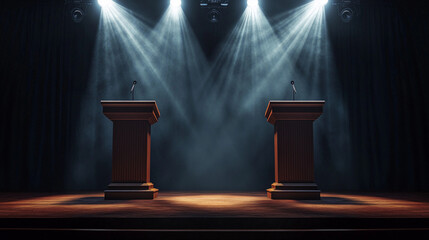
[381, 59]
[45, 63]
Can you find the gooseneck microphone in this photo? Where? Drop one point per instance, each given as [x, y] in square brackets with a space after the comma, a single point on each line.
[293, 90]
[132, 90]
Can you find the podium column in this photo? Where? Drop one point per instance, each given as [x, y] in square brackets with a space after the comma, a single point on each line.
[132, 122]
[293, 148]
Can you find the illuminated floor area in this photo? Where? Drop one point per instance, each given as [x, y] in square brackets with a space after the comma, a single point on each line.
[169, 204]
[215, 216]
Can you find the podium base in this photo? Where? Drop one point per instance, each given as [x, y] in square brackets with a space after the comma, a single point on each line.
[127, 191]
[298, 191]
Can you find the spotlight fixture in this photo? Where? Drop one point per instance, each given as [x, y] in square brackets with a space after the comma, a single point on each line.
[77, 9]
[176, 3]
[321, 2]
[347, 9]
[105, 3]
[214, 15]
[346, 14]
[77, 14]
[215, 9]
[252, 3]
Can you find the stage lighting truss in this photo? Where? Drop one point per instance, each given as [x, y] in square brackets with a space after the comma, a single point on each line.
[214, 9]
[347, 9]
[214, 3]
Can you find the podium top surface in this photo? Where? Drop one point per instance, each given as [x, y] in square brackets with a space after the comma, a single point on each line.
[297, 101]
[131, 110]
[294, 110]
[126, 102]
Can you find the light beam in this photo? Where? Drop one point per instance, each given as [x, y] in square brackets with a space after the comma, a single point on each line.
[305, 49]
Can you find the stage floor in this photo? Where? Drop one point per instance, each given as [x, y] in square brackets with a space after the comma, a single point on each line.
[393, 213]
[248, 205]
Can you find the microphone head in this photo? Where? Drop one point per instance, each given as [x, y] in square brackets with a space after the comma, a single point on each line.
[135, 82]
[292, 82]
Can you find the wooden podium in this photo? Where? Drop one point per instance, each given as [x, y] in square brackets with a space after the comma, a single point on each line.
[132, 121]
[293, 148]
